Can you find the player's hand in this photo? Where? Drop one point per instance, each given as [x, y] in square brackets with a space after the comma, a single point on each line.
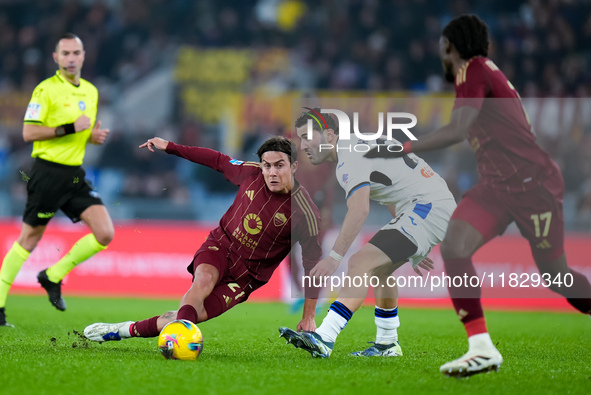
[381, 151]
[155, 142]
[306, 324]
[426, 264]
[82, 123]
[325, 267]
[98, 135]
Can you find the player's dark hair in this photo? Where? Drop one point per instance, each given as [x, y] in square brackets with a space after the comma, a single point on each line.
[313, 115]
[67, 36]
[279, 144]
[469, 34]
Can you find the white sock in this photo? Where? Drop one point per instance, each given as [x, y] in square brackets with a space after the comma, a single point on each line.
[331, 326]
[125, 330]
[480, 341]
[386, 332]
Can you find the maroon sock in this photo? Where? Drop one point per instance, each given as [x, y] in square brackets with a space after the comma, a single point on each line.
[146, 328]
[187, 312]
[466, 300]
[580, 292]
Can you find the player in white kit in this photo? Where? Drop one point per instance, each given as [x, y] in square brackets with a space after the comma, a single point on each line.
[421, 206]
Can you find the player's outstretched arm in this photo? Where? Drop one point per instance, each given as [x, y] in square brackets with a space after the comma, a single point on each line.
[462, 119]
[357, 212]
[155, 142]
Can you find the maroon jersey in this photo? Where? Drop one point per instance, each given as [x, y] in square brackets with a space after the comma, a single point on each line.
[257, 228]
[509, 159]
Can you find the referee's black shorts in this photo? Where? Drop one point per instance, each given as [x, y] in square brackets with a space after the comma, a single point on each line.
[53, 186]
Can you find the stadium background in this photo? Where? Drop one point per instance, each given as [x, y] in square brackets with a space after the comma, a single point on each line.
[222, 74]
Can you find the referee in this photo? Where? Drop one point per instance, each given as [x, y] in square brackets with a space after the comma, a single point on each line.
[59, 121]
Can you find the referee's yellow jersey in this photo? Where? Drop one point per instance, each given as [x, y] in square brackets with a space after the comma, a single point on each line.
[56, 102]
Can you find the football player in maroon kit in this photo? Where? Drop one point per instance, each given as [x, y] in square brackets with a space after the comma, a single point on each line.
[253, 237]
[519, 182]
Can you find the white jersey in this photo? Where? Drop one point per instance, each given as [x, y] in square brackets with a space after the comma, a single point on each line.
[399, 182]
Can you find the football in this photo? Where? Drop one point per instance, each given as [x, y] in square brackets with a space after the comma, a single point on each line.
[180, 339]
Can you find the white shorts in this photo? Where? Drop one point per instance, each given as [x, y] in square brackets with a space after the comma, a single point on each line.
[424, 224]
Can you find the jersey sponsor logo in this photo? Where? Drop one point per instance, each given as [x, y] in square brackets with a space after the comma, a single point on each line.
[253, 224]
[244, 239]
[82, 105]
[236, 162]
[280, 219]
[45, 215]
[427, 172]
[33, 111]
[250, 194]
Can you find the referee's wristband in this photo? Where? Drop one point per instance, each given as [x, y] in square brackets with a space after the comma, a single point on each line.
[406, 147]
[335, 255]
[67, 128]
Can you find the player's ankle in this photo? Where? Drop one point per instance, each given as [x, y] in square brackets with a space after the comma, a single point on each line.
[480, 341]
[126, 331]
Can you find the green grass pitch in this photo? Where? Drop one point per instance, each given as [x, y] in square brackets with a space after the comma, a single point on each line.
[44, 354]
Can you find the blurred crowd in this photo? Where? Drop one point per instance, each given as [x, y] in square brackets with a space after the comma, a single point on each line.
[543, 46]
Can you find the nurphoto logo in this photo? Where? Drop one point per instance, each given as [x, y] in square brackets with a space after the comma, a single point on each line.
[344, 128]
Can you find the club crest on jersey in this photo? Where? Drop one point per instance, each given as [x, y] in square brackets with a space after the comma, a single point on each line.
[345, 178]
[81, 105]
[280, 219]
[236, 162]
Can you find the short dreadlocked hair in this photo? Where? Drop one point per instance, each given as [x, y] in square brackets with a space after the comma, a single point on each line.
[469, 34]
[318, 121]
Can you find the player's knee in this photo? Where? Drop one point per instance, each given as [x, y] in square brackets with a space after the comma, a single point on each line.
[451, 249]
[105, 236]
[203, 279]
[29, 243]
[357, 263]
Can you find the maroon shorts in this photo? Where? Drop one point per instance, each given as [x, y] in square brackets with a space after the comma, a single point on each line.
[234, 283]
[538, 214]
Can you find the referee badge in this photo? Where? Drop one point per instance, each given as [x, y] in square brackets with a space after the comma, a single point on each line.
[82, 105]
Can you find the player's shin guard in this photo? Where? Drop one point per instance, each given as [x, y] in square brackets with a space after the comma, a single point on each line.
[187, 312]
[466, 299]
[83, 249]
[146, 328]
[11, 265]
[387, 323]
[337, 318]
